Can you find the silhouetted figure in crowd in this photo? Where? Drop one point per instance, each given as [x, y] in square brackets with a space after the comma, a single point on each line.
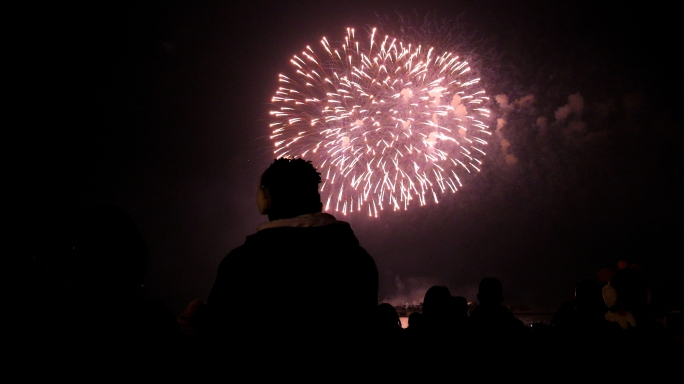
[458, 314]
[436, 308]
[439, 320]
[630, 326]
[492, 324]
[104, 321]
[414, 335]
[415, 324]
[386, 319]
[581, 321]
[387, 335]
[287, 284]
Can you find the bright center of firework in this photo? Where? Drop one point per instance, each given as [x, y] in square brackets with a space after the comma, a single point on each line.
[387, 123]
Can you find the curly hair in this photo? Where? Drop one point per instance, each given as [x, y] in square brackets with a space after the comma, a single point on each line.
[293, 185]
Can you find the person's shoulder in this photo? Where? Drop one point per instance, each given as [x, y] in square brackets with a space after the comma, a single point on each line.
[236, 254]
[476, 313]
[236, 251]
[342, 231]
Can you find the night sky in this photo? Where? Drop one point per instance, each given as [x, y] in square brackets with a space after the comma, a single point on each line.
[162, 108]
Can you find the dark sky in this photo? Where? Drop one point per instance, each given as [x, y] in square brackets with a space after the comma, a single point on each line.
[166, 115]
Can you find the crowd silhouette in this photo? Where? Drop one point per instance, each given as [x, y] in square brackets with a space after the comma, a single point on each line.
[107, 322]
[99, 316]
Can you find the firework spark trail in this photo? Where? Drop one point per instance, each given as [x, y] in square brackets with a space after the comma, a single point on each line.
[386, 122]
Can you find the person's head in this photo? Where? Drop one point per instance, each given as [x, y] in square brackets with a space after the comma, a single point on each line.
[415, 320]
[490, 291]
[436, 301]
[386, 317]
[289, 188]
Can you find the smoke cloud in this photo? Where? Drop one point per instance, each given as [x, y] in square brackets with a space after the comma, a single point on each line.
[575, 105]
[562, 113]
[502, 100]
[542, 122]
[525, 101]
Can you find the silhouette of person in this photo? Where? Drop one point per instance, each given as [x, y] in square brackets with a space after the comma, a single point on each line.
[444, 325]
[387, 319]
[436, 310]
[629, 323]
[387, 332]
[105, 317]
[581, 321]
[287, 284]
[491, 322]
[458, 314]
[415, 323]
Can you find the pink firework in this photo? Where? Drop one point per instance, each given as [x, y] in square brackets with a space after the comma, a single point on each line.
[389, 124]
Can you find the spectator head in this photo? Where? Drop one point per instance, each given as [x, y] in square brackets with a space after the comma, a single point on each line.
[436, 302]
[289, 188]
[386, 317]
[490, 291]
[415, 320]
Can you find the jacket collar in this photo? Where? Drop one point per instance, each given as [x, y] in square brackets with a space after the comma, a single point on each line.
[308, 220]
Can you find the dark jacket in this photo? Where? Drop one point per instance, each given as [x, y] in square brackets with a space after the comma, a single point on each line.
[495, 324]
[304, 280]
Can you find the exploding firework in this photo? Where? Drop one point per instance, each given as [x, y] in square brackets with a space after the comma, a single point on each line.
[386, 122]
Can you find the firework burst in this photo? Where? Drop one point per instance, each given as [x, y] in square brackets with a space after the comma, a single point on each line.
[389, 124]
